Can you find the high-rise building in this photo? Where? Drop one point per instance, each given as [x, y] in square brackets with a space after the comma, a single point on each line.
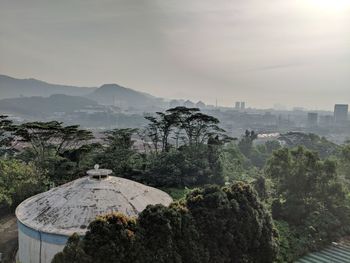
[312, 119]
[326, 120]
[242, 105]
[341, 113]
[237, 105]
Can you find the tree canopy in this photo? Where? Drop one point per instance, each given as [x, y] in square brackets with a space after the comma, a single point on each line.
[7, 136]
[212, 224]
[309, 197]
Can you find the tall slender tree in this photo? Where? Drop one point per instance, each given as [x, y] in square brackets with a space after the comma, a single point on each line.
[7, 137]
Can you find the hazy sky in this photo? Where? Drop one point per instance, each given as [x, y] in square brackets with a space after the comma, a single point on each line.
[294, 52]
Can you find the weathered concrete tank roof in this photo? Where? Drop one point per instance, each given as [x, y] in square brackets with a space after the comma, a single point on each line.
[71, 207]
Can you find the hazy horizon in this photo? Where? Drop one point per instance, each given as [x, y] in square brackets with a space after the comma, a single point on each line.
[293, 52]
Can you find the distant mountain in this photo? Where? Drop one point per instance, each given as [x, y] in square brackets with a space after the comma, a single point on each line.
[13, 88]
[108, 94]
[44, 106]
[113, 94]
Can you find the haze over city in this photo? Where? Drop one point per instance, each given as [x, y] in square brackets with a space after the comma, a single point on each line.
[187, 131]
[295, 53]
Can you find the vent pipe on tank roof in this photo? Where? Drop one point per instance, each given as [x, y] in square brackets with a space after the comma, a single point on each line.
[98, 174]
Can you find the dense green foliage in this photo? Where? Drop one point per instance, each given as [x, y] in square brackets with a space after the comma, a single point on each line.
[256, 155]
[305, 189]
[235, 226]
[184, 150]
[6, 135]
[212, 224]
[117, 153]
[56, 150]
[312, 142]
[18, 181]
[186, 166]
[309, 197]
[344, 164]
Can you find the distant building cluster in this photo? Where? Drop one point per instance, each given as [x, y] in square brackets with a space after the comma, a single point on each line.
[340, 117]
[188, 104]
[240, 105]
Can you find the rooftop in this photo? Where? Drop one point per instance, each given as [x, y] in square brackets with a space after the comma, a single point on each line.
[71, 207]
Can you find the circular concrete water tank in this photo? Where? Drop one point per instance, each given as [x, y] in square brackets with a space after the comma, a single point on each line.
[46, 220]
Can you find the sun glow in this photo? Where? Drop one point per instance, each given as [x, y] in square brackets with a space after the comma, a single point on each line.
[331, 5]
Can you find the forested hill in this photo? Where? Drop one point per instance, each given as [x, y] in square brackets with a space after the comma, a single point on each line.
[111, 94]
[40, 106]
[13, 88]
[324, 147]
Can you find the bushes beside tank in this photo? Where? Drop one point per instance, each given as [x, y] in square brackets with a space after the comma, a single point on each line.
[211, 224]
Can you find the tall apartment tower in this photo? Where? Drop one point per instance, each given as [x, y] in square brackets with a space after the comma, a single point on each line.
[237, 105]
[341, 113]
[242, 105]
[312, 119]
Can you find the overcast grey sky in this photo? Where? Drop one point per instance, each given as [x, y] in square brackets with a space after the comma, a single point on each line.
[294, 52]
